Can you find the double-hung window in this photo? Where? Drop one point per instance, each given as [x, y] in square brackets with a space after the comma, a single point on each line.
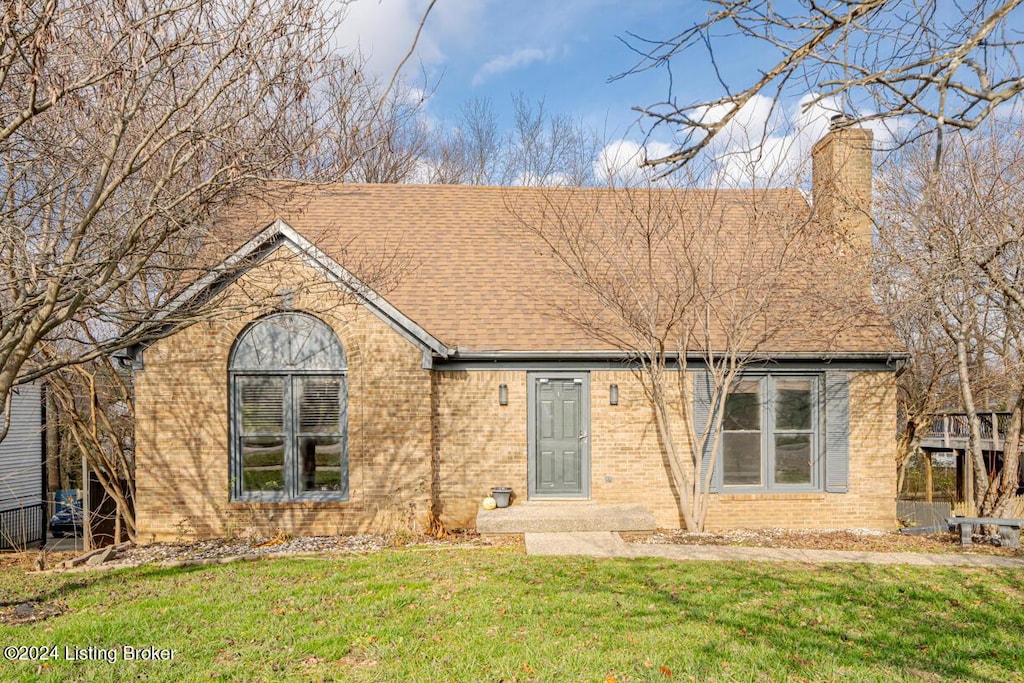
[289, 411]
[771, 434]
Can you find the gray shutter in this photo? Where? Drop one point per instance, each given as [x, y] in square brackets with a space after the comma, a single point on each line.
[703, 390]
[837, 431]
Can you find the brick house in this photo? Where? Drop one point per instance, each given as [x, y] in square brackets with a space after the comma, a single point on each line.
[313, 401]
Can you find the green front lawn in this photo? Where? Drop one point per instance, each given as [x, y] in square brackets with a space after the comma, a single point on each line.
[462, 614]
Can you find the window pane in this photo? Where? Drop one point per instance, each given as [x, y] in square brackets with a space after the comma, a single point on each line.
[289, 341]
[261, 402]
[320, 463]
[793, 403]
[263, 463]
[743, 406]
[319, 404]
[793, 458]
[741, 459]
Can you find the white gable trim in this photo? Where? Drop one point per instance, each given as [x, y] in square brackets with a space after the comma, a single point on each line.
[227, 266]
[279, 234]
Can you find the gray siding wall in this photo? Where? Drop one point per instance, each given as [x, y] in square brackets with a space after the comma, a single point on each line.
[21, 459]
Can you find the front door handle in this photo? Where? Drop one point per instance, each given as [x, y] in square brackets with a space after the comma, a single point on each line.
[582, 436]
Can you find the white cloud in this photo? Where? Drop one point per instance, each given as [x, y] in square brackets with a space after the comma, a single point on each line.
[620, 162]
[520, 58]
[767, 143]
[747, 125]
[415, 96]
[529, 179]
[383, 30]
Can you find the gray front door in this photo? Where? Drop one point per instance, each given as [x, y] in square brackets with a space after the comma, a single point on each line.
[559, 435]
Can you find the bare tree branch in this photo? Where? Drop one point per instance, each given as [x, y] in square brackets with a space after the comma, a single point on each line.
[951, 260]
[673, 277]
[408, 55]
[940, 64]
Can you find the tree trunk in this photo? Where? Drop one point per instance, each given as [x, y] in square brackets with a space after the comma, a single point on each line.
[904, 451]
[928, 482]
[975, 459]
[664, 423]
[1004, 486]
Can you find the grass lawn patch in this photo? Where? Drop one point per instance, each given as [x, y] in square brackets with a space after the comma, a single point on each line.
[455, 614]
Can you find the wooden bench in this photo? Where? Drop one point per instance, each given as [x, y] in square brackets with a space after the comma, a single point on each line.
[1009, 529]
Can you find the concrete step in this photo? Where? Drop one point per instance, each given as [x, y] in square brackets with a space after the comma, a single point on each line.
[554, 517]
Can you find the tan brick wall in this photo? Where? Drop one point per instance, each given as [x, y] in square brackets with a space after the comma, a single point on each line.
[412, 431]
[182, 402]
[626, 448]
[871, 500]
[480, 444]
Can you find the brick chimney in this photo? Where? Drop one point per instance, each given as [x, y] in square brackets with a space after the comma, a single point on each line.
[841, 182]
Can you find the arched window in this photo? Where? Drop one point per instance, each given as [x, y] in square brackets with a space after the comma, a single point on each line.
[289, 419]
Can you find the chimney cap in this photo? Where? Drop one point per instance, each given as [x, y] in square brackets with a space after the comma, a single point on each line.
[840, 120]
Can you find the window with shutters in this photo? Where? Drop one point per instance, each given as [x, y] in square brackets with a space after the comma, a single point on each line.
[771, 434]
[288, 411]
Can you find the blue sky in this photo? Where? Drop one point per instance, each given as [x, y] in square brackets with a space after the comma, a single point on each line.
[565, 51]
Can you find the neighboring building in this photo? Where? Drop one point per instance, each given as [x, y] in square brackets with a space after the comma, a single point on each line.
[22, 475]
[329, 407]
[946, 445]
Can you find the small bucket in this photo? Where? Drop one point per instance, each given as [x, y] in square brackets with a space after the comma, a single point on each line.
[501, 495]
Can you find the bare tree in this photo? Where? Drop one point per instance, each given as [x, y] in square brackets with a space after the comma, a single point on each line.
[374, 130]
[942, 65]
[681, 280]
[545, 149]
[130, 136]
[953, 247]
[927, 384]
[469, 151]
[925, 388]
[96, 409]
[123, 128]
[540, 149]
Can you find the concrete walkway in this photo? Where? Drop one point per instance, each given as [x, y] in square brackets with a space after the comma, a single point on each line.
[610, 544]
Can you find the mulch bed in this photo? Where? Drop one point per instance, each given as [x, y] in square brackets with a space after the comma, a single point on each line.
[217, 550]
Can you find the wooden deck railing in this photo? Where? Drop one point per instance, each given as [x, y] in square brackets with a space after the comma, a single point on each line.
[952, 431]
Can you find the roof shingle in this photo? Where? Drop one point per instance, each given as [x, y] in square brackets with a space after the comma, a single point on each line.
[478, 276]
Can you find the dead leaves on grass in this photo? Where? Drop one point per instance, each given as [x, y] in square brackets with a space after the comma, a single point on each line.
[856, 540]
[662, 669]
[29, 612]
[357, 662]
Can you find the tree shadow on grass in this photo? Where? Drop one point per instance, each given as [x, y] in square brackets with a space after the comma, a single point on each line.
[932, 622]
[800, 620]
[81, 581]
